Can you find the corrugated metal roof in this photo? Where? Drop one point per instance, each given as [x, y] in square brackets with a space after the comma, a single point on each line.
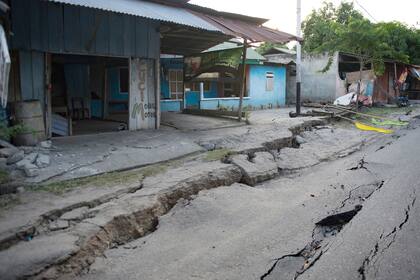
[250, 31]
[250, 52]
[281, 60]
[147, 10]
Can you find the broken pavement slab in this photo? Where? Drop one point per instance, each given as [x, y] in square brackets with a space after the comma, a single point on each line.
[8, 152]
[257, 167]
[58, 225]
[43, 161]
[76, 214]
[30, 170]
[322, 145]
[15, 157]
[46, 144]
[113, 220]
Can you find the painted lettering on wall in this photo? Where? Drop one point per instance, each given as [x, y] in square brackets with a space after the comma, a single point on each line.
[142, 95]
[147, 110]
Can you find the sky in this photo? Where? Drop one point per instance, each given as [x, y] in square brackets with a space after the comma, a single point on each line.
[282, 13]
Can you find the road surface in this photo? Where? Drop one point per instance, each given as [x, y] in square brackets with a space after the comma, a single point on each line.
[357, 217]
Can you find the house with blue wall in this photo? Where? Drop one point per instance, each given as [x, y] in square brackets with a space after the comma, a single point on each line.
[96, 65]
[266, 85]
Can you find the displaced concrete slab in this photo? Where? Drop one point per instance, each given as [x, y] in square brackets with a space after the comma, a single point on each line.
[186, 122]
[29, 257]
[76, 214]
[115, 220]
[43, 161]
[321, 144]
[8, 152]
[256, 168]
[18, 156]
[87, 155]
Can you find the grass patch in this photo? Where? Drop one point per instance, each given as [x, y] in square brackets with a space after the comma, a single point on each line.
[4, 177]
[7, 201]
[384, 111]
[218, 154]
[381, 112]
[105, 180]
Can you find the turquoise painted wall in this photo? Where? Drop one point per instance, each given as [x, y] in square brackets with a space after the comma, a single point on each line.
[177, 63]
[171, 105]
[258, 98]
[96, 108]
[114, 90]
[192, 99]
[212, 93]
[257, 83]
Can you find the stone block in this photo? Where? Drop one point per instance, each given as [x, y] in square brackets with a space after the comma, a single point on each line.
[43, 161]
[30, 170]
[46, 144]
[256, 169]
[58, 225]
[76, 214]
[15, 157]
[8, 152]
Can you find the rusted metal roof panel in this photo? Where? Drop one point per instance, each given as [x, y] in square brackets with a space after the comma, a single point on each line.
[147, 10]
[248, 30]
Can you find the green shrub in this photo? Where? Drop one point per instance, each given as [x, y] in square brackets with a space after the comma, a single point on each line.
[8, 132]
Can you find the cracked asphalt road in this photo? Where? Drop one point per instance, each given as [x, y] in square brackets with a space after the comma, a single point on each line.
[240, 232]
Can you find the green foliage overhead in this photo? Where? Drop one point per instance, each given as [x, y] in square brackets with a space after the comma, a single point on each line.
[343, 28]
[266, 46]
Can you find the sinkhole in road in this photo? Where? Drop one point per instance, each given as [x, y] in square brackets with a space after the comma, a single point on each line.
[292, 265]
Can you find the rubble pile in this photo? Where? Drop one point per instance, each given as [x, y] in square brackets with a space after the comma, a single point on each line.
[29, 160]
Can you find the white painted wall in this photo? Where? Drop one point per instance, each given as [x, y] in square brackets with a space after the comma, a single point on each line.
[320, 86]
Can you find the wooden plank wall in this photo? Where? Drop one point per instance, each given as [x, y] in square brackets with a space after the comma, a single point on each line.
[58, 28]
[31, 66]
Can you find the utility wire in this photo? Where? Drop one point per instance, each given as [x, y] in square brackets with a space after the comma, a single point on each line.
[369, 14]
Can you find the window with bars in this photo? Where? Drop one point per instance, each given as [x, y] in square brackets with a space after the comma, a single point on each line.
[176, 83]
[269, 83]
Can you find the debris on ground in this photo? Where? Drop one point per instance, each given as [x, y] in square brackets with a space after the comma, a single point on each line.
[256, 167]
[18, 156]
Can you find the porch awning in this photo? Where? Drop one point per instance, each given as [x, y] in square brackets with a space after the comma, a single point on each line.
[252, 32]
[187, 28]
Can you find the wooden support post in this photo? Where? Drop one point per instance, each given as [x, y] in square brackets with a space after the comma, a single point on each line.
[105, 95]
[48, 98]
[243, 86]
[396, 88]
[157, 92]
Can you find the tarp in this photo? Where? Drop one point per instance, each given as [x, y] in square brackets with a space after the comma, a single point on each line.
[415, 73]
[366, 127]
[209, 62]
[4, 68]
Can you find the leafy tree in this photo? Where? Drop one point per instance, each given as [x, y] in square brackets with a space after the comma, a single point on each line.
[324, 29]
[325, 23]
[404, 41]
[331, 29]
